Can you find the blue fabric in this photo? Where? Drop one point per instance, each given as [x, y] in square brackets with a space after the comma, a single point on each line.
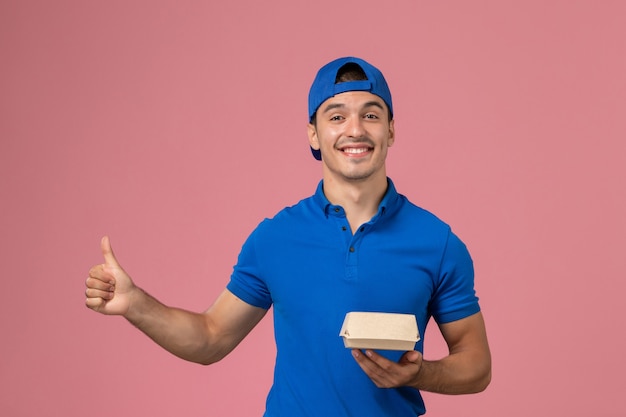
[307, 264]
[324, 85]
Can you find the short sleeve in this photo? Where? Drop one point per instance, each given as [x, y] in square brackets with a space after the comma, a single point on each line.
[454, 297]
[246, 281]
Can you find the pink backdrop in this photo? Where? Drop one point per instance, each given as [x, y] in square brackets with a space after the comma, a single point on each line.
[176, 126]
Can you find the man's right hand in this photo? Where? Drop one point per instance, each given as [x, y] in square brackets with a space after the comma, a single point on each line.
[109, 287]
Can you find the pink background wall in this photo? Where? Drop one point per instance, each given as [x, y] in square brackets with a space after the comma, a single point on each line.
[175, 127]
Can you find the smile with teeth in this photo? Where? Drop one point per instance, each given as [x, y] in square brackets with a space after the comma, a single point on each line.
[355, 151]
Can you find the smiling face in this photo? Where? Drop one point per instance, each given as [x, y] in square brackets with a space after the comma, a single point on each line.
[353, 132]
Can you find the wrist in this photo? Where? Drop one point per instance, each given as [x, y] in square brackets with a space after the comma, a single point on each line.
[137, 304]
[419, 381]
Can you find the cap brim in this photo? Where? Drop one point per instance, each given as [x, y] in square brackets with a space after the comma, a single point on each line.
[316, 154]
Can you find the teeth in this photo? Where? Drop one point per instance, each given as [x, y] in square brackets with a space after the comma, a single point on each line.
[355, 150]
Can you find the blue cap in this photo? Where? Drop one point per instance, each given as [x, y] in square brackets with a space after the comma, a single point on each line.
[325, 86]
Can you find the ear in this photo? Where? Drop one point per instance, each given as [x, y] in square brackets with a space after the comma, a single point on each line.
[312, 132]
[392, 133]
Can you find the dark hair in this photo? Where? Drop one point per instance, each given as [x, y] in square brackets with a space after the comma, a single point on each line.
[349, 72]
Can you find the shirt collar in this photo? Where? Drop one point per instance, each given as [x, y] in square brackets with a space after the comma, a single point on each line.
[388, 204]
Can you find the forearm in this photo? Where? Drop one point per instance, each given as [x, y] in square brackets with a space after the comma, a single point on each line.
[459, 373]
[182, 333]
[197, 337]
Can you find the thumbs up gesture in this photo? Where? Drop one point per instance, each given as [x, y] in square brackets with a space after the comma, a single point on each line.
[109, 287]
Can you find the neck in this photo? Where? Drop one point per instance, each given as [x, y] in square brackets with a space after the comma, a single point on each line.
[359, 199]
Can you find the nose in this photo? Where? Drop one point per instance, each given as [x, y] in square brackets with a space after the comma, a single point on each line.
[355, 127]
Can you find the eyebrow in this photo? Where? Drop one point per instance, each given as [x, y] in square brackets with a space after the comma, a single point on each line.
[333, 106]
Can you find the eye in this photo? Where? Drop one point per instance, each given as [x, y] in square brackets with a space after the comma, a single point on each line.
[371, 116]
[336, 118]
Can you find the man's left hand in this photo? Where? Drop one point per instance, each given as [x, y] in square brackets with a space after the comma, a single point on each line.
[388, 374]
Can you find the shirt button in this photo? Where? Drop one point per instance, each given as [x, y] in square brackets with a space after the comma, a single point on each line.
[337, 209]
[344, 228]
[351, 249]
[362, 228]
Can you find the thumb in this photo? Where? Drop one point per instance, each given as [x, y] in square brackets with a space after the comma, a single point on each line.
[107, 252]
[412, 356]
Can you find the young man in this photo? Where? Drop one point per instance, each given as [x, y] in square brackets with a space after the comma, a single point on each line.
[355, 245]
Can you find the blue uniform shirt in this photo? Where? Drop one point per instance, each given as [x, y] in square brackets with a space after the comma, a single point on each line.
[307, 264]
